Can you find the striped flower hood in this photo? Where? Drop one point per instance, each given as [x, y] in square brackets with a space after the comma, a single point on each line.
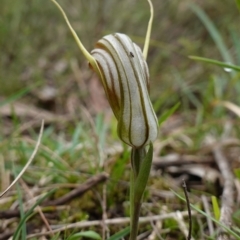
[125, 78]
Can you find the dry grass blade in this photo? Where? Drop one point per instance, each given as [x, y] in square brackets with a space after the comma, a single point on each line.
[231, 106]
[207, 210]
[228, 192]
[29, 161]
[115, 221]
[182, 226]
[149, 29]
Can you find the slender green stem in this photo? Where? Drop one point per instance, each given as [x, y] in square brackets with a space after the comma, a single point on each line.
[134, 220]
[141, 165]
[137, 157]
[135, 206]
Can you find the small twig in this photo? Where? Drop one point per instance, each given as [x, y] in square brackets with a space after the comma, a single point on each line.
[9, 214]
[188, 208]
[28, 163]
[78, 191]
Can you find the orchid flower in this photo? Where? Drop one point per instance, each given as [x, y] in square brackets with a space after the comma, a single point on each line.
[125, 79]
[123, 71]
[124, 74]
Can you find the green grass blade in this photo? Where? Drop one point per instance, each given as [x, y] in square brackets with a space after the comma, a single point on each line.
[237, 173]
[56, 237]
[216, 209]
[23, 228]
[236, 44]
[86, 234]
[16, 96]
[119, 235]
[168, 113]
[215, 62]
[238, 4]
[28, 214]
[187, 90]
[213, 32]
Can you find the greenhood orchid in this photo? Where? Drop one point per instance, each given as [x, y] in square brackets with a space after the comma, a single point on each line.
[122, 68]
[123, 71]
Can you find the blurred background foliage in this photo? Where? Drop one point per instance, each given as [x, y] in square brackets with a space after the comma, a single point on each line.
[37, 47]
[42, 68]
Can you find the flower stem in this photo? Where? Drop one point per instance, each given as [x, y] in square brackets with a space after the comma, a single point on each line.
[135, 206]
[137, 157]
